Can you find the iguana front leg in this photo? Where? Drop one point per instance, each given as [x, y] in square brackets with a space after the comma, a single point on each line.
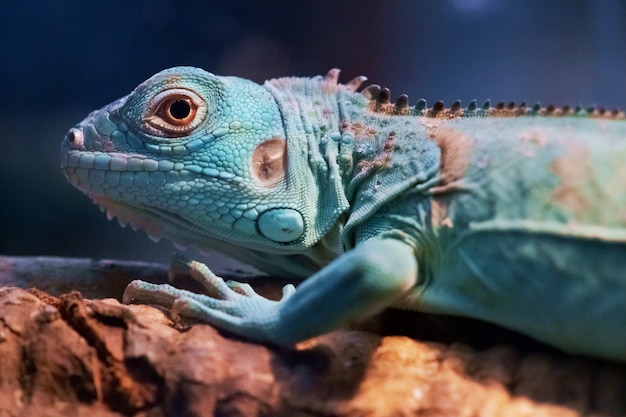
[356, 285]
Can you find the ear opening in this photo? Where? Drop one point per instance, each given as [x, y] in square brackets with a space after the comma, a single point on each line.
[269, 162]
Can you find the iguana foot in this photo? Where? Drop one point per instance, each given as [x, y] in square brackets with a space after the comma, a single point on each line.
[215, 286]
[229, 305]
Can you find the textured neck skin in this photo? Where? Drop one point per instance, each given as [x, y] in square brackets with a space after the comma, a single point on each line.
[310, 111]
[360, 153]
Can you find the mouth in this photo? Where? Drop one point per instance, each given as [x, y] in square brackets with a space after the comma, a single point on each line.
[155, 222]
[98, 174]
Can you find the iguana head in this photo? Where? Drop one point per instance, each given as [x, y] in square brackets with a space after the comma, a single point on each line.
[200, 159]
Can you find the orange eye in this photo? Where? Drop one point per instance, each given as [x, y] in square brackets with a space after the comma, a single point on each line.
[178, 111]
[174, 113]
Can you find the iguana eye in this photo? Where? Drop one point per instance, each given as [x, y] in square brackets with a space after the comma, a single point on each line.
[174, 112]
[177, 111]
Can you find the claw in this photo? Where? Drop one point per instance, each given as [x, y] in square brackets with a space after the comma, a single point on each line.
[213, 284]
[147, 293]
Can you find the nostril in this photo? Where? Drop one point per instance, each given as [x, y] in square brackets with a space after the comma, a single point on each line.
[75, 138]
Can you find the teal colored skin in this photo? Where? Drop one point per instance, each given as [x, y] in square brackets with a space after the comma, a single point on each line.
[515, 216]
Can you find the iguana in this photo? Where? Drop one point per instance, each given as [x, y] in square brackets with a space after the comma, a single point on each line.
[510, 214]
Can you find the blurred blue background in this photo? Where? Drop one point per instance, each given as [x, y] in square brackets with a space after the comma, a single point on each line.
[60, 60]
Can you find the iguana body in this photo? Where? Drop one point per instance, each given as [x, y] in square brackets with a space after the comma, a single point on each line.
[511, 215]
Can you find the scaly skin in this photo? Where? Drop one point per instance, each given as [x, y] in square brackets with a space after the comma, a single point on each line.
[511, 215]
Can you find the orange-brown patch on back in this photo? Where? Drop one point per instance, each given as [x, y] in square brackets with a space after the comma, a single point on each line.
[575, 172]
[269, 161]
[456, 152]
[359, 130]
[384, 158]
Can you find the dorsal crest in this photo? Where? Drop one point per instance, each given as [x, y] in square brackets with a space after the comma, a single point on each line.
[381, 102]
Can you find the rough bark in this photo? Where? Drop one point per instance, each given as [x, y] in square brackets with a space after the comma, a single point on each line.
[63, 355]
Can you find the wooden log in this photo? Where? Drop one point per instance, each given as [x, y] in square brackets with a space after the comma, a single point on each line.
[66, 356]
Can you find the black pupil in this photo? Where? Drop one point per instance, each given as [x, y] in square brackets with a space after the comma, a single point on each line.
[180, 109]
